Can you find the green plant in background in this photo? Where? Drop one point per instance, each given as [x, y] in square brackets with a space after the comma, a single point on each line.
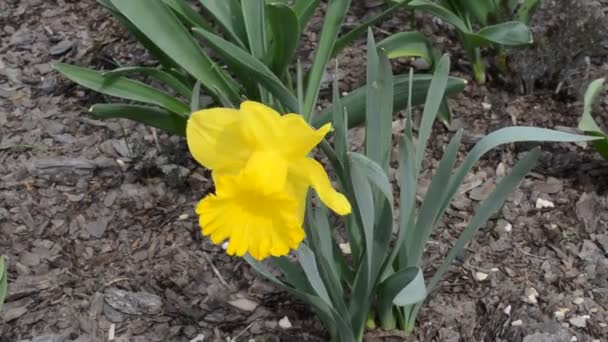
[379, 279]
[235, 50]
[3, 281]
[587, 124]
[483, 23]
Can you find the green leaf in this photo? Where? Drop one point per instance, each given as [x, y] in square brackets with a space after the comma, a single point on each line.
[437, 89]
[431, 205]
[511, 33]
[160, 75]
[307, 260]
[255, 20]
[187, 13]
[153, 116]
[163, 28]
[354, 103]
[587, 123]
[527, 10]
[328, 259]
[195, 100]
[340, 125]
[440, 12]
[121, 87]
[240, 59]
[286, 34]
[407, 201]
[379, 109]
[227, 13]
[374, 173]
[487, 208]
[502, 136]
[402, 288]
[481, 10]
[305, 9]
[155, 51]
[408, 44]
[365, 212]
[334, 15]
[332, 320]
[353, 34]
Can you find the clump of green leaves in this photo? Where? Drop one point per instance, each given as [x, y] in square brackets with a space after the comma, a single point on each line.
[482, 23]
[3, 281]
[588, 124]
[232, 50]
[379, 278]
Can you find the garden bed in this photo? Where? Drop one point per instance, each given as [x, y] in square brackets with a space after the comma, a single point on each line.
[97, 217]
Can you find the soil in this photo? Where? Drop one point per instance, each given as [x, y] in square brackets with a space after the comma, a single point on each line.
[97, 219]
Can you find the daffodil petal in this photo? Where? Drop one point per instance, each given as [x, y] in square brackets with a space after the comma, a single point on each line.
[311, 172]
[299, 191]
[216, 140]
[266, 172]
[261, 125]
[300, 137]
[253, 219]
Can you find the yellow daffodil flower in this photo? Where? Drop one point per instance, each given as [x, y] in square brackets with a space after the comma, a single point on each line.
[262, 174]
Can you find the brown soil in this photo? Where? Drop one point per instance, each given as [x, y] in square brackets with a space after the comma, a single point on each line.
[97, 220]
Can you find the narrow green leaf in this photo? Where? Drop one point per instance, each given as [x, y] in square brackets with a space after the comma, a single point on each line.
[432, 104]
[374, 173]
[153, 116]
[155, 51]
[502, 136]
[431, 205]
[365, 212]
[408, 44]
[353, 34]
[240, 59]
[354, 103]
[340, 124]
[285, 29]
[121, 87]
[307, 259]
[487, 208]
[187, 13]
[334, 15]
[160, 75]
[594, 89]
[196, 97]
[164, 29]
[254, 16]
[227, 13]
[332, 320]
[439, 11]
[327, 258]
[588, 124]
[402, 288]
[305, 9]
[379, 109]
[407, 201]
[511, 33]
[527, 10]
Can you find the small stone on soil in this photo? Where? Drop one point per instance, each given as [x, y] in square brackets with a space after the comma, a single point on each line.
[517, 323]
[579, 321]
[480, 276]
[531, 295]
[244, 304]
[543, 203]
[284, 323]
